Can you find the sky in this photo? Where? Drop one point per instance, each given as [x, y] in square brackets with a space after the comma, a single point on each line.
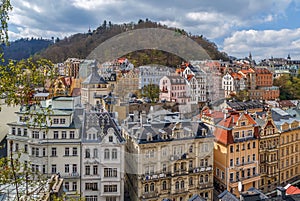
[266, 28]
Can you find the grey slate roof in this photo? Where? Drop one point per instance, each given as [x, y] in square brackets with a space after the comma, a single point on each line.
[196, 198]
[94, 78]
[227, 196]
[99, 120]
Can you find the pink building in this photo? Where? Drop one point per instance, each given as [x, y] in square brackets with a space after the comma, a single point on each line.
[174, 89]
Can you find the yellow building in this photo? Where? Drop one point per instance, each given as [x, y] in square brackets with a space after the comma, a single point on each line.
[167, 157]
[289, 143]
[236, 153]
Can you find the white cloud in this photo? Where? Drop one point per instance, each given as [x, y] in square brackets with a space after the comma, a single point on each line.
[93, 4]
[264, 43]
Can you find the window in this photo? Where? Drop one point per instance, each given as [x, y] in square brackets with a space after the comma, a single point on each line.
[37, 152]
[74, 186]
[110, 138]
[91, 198]
[248, 145]
[191, 149]
[110, 199]
[44, 169]
[74, 170]
[164, 169]
[55, 134]
[231, 176]
[177, 185]
[110, 188]
[152, 187]
[67, 151]
[191, 181]
[62, 121]
[64, 134]
[53, 169]
[254, 171]
[72, 134]
[91, 186]
[182, 184]
[67, 168]
[25, 132]
[253, 157]
[87, 170]
[87, 153]
[74, 151]
[110, 172]
[53, 151]
[243, 123]
[106, 154]
[237, 161]
[13, 130]
[254, 145]
[231, 149]
[26, 148]
[231, 162]
[237, 147]
[146, 188]
[164, 185]
[19, 131]
[95, 169]
[95, 153]
[67, 187]
[55, 121]
[114, 154]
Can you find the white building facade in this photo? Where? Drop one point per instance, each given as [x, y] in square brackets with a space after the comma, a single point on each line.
[102, 158]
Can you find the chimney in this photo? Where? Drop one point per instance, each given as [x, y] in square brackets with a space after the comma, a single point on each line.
[281, 192]
[143, 117]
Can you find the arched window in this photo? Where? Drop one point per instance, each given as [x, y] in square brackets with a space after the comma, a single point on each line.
[87, 153]
[182, 184]
[177, 185]
[114, 154]
[191, 149]
[95, 153]
[152, 187]
[106, 154]
[201, 178]
[206, 178]
[191, 181]
[164, 185]
[146, 188]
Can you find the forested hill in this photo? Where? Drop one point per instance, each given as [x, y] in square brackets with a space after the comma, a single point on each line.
[81, 44]
[24, 48]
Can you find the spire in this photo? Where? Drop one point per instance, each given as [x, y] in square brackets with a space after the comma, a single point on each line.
[250, 56]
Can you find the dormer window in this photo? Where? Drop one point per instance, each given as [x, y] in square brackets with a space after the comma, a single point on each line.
[110, 139]
[149, 137]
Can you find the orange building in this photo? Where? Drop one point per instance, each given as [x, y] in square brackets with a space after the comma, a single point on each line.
[236, 153]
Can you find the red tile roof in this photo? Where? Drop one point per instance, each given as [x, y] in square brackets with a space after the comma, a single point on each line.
[292, 190]
[223, 136]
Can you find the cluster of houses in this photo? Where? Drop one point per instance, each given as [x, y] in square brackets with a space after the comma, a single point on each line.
[105, 151]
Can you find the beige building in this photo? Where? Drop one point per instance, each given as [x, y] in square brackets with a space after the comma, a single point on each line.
[268, 153]
[167, 157]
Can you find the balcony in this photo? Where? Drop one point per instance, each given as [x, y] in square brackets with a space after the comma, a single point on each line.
[205, 185]
[148, 195]
[73, 175]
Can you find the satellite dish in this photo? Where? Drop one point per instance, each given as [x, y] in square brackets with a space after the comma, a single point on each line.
[240, 186]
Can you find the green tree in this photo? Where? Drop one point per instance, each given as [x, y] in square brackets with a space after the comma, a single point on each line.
[150, 91]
